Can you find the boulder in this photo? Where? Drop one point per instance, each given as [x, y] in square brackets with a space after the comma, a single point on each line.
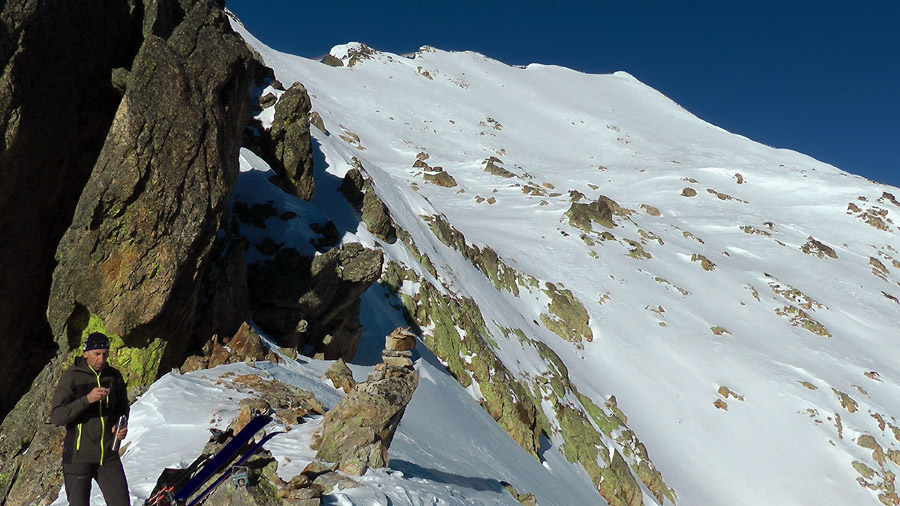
[599, 211]
[377, 216]
[440, 178]
[400, 340]
[493, 165]
[288, 147]
[359, 191]
[246, 345]
[333, 482]
[341, 376]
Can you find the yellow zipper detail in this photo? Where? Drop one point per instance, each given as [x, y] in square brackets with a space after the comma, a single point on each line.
[78, 441]
[102, 421]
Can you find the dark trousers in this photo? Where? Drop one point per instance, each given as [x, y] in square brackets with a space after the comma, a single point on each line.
[110, 476]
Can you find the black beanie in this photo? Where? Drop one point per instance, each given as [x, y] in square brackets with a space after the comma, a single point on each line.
[96, 341]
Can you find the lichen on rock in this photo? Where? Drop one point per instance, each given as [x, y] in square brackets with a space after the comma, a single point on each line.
[800, 318]
[501, 274]
[583, 441]
[706, 263]
[357, 433]
[568, 317]
[143, 232]
[287, 144]
[817, 248]
[600, 211]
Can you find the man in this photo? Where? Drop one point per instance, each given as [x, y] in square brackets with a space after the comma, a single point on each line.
[88, 401]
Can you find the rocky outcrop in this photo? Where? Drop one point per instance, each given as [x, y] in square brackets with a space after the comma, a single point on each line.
[486, 260]
[599, 211]
[359, 191]
[341, 376]
[377, 216]
[357, 433]
[160, 190]
[51, 131]
[568, 317]
[244, 346]
[140, 239]
[312, 304]
[494, 165]
[288, 147]
[594, 437]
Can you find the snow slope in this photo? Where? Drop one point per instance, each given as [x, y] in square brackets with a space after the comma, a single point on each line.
[793, 435]
[743, 312]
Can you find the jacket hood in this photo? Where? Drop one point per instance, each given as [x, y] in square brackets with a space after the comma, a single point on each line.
[81, 365]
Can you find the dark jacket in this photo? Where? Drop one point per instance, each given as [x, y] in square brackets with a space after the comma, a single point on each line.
[89, 426]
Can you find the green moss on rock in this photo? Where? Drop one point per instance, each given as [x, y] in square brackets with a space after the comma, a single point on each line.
[800, 318]
[486, 260]
[469, 358]
[139, 364]
[568, 317]
[581, 438]
[600, 211]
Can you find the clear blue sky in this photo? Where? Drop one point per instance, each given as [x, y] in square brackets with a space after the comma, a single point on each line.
[822, 78]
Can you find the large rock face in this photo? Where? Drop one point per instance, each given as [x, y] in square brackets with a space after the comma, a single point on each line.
[56, 106]
[144, 226]
[151, 210]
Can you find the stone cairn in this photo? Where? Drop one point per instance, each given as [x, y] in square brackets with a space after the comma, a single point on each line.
[357, 433]
[396, 358]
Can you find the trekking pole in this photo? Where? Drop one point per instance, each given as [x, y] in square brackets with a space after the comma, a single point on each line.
[122, 423]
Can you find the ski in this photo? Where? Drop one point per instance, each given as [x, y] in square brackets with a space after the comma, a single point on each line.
[182, 483]
[222, 457]
[249, 453]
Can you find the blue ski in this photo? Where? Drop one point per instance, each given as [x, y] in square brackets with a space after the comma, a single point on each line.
[221, 458]
[227, 473]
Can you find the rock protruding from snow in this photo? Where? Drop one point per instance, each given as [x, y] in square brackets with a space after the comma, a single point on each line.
[288, 147]
[56, 106]
[359, 191]
[357, 433]
[244, 346]
[341, 376]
